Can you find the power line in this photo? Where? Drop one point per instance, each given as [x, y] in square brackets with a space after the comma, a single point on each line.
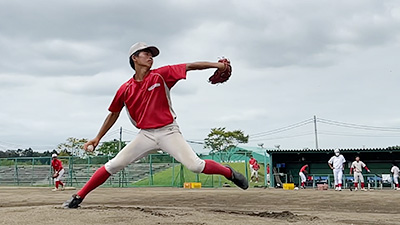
[356, 135]
[282, 129]
[283, 137]
[358, 126]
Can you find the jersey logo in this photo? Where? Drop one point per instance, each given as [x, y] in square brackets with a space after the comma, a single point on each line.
[153, 86]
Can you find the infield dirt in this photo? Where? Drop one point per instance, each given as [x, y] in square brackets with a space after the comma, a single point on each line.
[35, 206]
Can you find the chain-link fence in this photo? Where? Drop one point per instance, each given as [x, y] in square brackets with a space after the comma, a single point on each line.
[154, 170]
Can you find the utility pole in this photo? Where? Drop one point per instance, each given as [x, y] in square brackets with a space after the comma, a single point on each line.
[315, 132]
[120, 139]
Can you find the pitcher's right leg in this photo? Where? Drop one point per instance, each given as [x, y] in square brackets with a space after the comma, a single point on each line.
[136, 149]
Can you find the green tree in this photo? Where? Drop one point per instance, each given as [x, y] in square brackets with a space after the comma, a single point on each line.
[221, 140]
[72, 146]
[110, 148]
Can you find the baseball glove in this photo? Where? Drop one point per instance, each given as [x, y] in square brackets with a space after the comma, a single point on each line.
[55, 175]
[221, 76]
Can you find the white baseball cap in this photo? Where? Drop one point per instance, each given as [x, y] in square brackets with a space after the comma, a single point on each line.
[54, 155]
[141, 46]
[337, 150]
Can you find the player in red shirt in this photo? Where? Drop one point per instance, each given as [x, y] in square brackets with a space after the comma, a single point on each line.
[254, 172]
[251, 164]
[58, 172]
[302, 173]
[252, 161]
[148, 103]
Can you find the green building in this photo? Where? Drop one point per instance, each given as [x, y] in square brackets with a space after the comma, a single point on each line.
[287, 163]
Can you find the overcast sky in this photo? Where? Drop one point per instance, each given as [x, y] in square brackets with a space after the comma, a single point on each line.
[62, 62]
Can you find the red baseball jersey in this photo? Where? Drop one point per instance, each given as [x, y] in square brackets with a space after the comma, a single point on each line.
[252, 161]
[56, 164]
[148, 101]
[256, 166]
[303, 168]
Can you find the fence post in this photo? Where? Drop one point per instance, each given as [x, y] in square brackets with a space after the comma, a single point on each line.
[151, 170]
[16, 170]
[33, 170]
[265, 169]
[110, 178]
[197, 176]
[245, 166]
[212, 176]
[50, 174]
[182, 175]
[70, 168]
[173, 172]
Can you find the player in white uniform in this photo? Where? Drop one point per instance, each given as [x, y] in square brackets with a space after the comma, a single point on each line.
[336, 163]
[395, 172]
[146, 97]
[357, 167]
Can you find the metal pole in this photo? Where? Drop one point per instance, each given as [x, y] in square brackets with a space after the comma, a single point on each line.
[120, 139]
[151, 171]
[173, 172]
[316, 133]
[265, 169]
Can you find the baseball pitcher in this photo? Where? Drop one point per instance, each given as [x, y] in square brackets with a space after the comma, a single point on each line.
[146, 97]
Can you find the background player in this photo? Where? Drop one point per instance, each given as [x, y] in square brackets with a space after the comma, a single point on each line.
[254, 172]
[147, 101]
[251, 164]
[395, 172]
[336, 163]
[357, 167]
[58, 172]
[302, 174]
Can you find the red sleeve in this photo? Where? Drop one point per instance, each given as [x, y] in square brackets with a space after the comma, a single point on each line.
[172, 74]
[118, 102]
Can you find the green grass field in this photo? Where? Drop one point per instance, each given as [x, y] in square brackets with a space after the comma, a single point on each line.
[176, 176]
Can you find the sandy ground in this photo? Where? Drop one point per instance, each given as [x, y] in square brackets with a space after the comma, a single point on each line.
[202, 206]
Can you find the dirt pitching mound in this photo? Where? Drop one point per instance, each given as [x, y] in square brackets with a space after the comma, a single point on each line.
[284, 215]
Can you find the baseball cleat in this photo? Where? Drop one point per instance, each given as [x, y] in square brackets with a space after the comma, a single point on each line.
[73, 203]
[238, 179]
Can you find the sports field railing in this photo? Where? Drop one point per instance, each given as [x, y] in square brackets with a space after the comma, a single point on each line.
[156, 170]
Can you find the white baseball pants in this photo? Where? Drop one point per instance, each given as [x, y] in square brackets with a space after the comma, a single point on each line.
[358, 177]
[254, 173]
[303, 177]
[60, 174]
[338, 175]
[167, 138]
[396, 179]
